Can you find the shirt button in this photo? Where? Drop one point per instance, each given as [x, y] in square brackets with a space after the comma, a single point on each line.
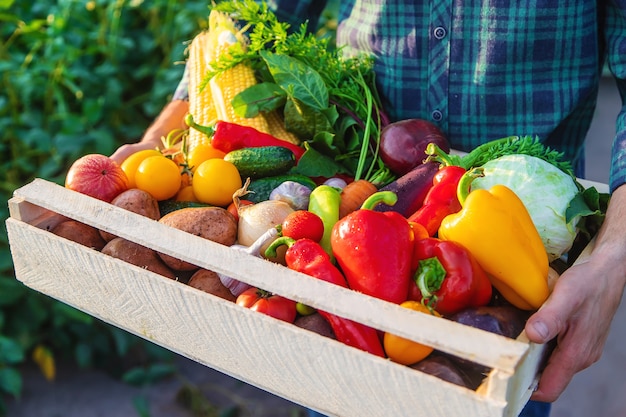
[436, 115]
[439, 32]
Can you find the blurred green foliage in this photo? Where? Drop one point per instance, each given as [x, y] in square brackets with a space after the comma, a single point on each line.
[80, 77]
[77, 77]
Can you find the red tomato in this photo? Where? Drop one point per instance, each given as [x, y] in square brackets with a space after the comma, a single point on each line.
[267, 303]
[303, 224]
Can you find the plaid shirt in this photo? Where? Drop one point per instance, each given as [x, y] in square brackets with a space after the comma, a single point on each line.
[482, 70]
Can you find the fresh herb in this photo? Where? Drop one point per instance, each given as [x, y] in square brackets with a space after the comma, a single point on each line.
[327, 99]
[591, 205]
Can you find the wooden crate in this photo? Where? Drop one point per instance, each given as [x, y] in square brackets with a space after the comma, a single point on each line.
[296, 364]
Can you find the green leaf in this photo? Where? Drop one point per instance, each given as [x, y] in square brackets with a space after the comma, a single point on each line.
[299, 80]
[262, 97]
[587, 203]
[5, 4]
[10, 351]
[10, 381]
[305, 121]
[66, 313]
[316, 164]
[139, 376]
[83, 355]
[142, 405]
[11, 290]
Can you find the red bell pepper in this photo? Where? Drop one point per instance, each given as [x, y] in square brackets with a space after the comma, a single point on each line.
[374, 249]
[226, 137]
[441, 199]
[307, 256]
[265, 302]
[447, 276]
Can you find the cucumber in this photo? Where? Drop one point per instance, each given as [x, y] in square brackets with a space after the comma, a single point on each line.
[261, 188]
[168, 206]
[264, 161]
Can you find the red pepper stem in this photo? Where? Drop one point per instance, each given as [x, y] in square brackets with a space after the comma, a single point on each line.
[207, 130]
[429, 276]
[386, 197]
[436, 154]
[465, 183]
[270, 252]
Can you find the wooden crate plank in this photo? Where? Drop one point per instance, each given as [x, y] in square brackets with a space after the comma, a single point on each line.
[473, 344]
[275, 356]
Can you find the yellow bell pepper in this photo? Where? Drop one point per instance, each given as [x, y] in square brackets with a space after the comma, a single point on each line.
[497, 229]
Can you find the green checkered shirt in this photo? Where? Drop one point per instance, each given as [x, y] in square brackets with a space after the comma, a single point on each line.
[483, 70]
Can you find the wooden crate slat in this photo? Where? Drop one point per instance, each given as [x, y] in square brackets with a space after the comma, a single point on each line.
[483, 347]
[278, 357]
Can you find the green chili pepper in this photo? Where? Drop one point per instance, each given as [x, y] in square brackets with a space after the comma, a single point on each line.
[324, 201]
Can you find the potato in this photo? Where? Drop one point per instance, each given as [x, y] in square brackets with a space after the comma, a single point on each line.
[137, 254]
[80, 233]
[137, 201]
[209, 281]
[212, 223]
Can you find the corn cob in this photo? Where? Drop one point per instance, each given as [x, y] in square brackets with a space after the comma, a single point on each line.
[213, 102]
[200, 100]
[225, 86]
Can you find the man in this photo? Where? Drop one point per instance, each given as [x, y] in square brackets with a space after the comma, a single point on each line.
[482, 70]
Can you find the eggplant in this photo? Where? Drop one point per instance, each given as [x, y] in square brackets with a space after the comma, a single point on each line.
[505, 320]
[411, 189]
[444, 368]
[315, 323]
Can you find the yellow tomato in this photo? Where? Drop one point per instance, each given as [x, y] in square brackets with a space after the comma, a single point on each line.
[130, 164]
[215, 181]
[186, 194]
[159, 176]
[405, 351]
[201, 153]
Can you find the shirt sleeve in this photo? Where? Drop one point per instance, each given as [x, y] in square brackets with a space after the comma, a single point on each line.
[615, 38]
[182, 89]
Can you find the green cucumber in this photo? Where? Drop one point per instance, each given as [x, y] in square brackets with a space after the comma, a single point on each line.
[261, 188]
[264, 161]
[168, 206]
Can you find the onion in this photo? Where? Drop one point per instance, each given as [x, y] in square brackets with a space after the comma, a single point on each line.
[235, 286]
[336, 182]
[258, 218]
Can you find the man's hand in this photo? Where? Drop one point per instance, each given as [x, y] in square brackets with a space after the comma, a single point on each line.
[171, 118]
[582, 305]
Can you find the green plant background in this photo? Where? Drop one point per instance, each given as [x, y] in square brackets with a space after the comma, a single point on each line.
[78, 77]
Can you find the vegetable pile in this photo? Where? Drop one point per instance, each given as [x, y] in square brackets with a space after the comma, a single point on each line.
[468, 238]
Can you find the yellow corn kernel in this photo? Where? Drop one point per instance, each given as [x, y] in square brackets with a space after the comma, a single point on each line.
[201, 104]
[277, 128]
[225, 86]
